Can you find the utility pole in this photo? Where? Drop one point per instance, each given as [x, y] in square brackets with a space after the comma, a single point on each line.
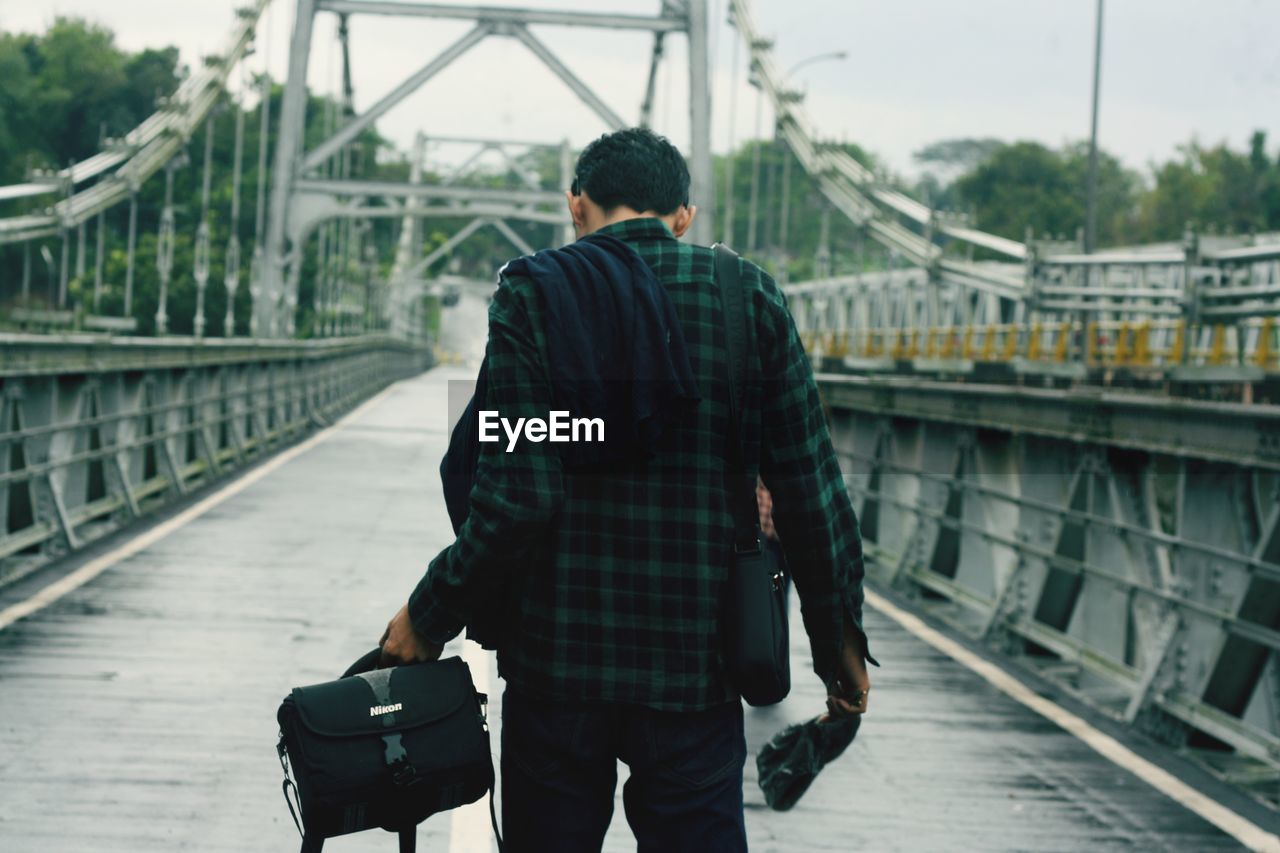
[727, 239]
[756, 145]
[702, 189]
[1091, 201]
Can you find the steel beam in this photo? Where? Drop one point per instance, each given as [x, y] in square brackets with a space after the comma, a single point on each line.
[650, 88]
[582, 90]
[452, 211]
[702, 191]
[515, 239]
[420, 268]
[487, 140]
[505, 15]
[352, 129]
[417, 270]
[289, 146]
[1224, 432]
[389, 189]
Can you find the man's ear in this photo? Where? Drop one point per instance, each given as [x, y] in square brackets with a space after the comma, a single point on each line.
[683, 219]
[576, 210]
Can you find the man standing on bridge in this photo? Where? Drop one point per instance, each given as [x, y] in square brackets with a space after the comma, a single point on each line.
[602, 568]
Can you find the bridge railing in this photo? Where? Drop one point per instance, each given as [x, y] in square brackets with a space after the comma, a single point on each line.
[1124, 547]
[97, 432]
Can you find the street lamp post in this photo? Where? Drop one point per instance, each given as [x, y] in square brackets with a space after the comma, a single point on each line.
[784, 226]
[753, 211]
[834, 54]
[1091, 198]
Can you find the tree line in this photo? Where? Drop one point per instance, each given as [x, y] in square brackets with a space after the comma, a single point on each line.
[1007, 187]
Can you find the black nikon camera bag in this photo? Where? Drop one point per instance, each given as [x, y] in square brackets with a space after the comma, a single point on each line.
[384, 748]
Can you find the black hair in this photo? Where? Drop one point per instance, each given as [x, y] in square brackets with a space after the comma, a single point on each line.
[635, 167]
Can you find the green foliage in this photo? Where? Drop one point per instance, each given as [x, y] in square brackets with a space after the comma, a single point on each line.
[1214, 187]
[1026, 184]
[961, 154]
[1021, 185]
[67, 89]
[802, 213]
[70, 87]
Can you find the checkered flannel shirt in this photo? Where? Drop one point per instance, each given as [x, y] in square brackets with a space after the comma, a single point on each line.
[615, 576]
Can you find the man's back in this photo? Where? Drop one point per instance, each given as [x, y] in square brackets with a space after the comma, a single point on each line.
[620, 601]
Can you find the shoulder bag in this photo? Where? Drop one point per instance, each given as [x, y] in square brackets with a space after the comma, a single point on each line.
[754, 611]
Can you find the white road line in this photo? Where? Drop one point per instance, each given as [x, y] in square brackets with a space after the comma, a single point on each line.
[98, 565]
[469, 829]
[1244, 831]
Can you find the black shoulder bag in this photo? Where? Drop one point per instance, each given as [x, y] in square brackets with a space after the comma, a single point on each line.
[754, 619]
[385, 748]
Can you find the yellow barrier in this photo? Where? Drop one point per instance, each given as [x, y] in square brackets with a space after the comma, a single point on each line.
[1264, 350]
[1107, 343]
[1010, 343]
[1062, 347]
[1178, 348]
[1035, 342]
[1142, 345]
[989, 344]
[1218, 349]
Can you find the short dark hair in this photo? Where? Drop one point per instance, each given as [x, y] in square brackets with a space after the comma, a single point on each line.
[635, 167]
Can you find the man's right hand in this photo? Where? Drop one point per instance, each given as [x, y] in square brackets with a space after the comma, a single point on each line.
[849, 694]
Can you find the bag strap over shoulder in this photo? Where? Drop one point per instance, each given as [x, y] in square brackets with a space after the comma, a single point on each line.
[729, 279]
[742, 495]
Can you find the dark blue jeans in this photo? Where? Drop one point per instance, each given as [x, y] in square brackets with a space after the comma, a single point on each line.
[559, 772]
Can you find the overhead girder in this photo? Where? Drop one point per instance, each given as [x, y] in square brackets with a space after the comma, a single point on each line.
[300, 197]
[352, 129]
[670, 21]
[391, 189]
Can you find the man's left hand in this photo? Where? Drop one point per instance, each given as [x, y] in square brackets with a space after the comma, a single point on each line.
[401, 643]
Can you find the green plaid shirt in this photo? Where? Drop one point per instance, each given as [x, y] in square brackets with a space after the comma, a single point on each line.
[610, 582]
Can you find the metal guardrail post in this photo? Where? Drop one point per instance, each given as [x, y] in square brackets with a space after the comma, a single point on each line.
[94, 432]
[1142, 594]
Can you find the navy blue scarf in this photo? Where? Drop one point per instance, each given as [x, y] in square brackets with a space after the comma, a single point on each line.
[615, 349]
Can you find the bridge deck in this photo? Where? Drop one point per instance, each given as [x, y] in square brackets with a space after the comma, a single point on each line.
[137, 711]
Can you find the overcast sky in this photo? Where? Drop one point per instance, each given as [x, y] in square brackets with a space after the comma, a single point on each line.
[917, 71]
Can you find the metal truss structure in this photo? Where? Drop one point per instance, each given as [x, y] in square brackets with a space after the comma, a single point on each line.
[95, 433]
[1126, 548]
[129, 162]
[302, 198]
[113, 178]
[408, 279]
